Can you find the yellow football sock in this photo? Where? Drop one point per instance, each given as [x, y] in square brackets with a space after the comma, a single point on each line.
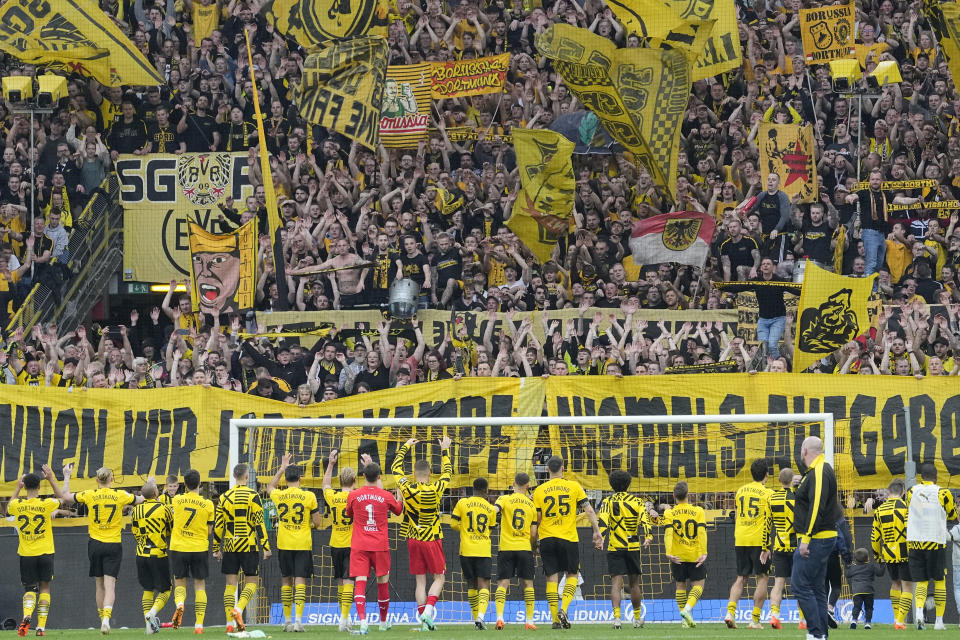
[755, 615]
[906, 604]
[200, 606]
[569, 590]
[180, 596]
[553, 599]
[43, 610]
[161, 600]
[286, 599]
[472, 596]
[146, 601]
[346, 600]
[99, 614]
[500, 599]
[299, 600]
[530, 600]
[249, 589]
[732, 609]
[940, 596]
[107, 612]
[920, 595]
[29, 603]
[895, 603]
[681, 597]
[694, 597]
[229, 602]
[483, 602]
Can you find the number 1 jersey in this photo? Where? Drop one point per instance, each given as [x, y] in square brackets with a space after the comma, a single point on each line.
[370, 507]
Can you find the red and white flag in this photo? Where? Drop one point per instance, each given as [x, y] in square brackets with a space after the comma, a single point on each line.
[680, 236]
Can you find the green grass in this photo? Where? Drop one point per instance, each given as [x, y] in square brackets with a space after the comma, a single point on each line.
[581, 632]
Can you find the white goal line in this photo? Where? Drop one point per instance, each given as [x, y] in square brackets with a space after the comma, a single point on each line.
[237, 423]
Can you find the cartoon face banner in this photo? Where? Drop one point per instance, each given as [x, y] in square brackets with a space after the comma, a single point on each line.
[223, 269]
[405, 112]
[788, 151]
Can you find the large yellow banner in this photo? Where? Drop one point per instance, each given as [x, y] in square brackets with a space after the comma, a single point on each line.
[722, 51]
[827, 33]
[223, 270]
[139, 433]
[162, 194]
[639, 94]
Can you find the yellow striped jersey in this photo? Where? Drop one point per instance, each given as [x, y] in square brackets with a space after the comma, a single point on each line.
[516, 514]
[192, 517]
[295, 509]
[105, 511]
[889, 534]
[625, 517]
[686, 535]
[782, 502]
[421, 501]
[753, 522]
[341, 525]
[949, 506]
[166, 498]
[33, 518]
[151, 524]
[474, 518]
[557, 501]
[238, 524]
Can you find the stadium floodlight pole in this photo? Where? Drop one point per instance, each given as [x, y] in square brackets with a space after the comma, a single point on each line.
[237, 423]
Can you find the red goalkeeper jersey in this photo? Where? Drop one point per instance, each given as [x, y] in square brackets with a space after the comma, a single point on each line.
[370, 509]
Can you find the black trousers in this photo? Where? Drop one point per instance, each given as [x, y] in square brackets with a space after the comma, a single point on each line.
[834, 578]
[863, 601]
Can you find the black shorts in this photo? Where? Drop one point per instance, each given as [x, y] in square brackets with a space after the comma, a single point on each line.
[927, 564]
[559, 556]
[515, 564]
[189, 564]
[688, 571]
[474, 567]
[623, 563]
[782, 563]
[296, 563]
[899, 571]
[104, 558]
[341, 562]
[234, 561]
[36, 569]
[748, 562]
[153, 573]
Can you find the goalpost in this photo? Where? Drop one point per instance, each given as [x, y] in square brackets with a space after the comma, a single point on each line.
[262, 441]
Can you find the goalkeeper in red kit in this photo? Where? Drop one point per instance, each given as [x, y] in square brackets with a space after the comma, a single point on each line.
[370, 507]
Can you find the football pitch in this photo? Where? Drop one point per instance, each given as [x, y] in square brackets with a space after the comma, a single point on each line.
[580, 632]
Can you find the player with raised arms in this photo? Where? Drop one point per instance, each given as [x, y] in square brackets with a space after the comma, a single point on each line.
[474, 518]
[151, 523]
[340, 534]
[189, 548]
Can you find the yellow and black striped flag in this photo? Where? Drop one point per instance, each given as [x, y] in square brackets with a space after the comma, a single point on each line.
[405, 111]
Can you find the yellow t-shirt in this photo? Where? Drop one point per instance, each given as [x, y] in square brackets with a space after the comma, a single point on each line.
[754, 518]
[106, 511]
[474, 518]
[341, 524]
[557, 501]
[686, 536]
[899, 257]
[517, 514]
[295, 509]
[206, 18]
[33, 519]
[192, 517]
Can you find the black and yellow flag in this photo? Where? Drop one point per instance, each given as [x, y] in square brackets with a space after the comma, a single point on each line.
[541, 214]
[342, 88]
[223, 269]
[640, 95]
[663, 26]
[832, 312]
[315, 22]
[944, 19]
[788, 151]
[74, 36]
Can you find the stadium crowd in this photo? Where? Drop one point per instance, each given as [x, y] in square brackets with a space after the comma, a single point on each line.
[436, 214]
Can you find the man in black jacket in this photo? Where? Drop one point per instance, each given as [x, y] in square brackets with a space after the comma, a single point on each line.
[816, 512]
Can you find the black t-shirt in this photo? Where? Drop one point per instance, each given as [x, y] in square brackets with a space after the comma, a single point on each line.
[165, 140]
[867, 210]
[448, 265]
[415, 268]
[768, 208]
[740, 252]
[816, 241]
[385, 270]
[199, 133]
[236, 137]
[377, 380]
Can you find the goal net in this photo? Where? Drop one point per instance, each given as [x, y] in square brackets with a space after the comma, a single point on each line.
[711, 453]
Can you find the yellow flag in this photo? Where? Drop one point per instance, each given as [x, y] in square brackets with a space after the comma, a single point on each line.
[663, 26]
[827, 33]
[274, 221]
[640, 95]
[315, 22]
[945, 20]
[788, 151]
[832, 312]
[223, 269]
[342, 88]
[541, 214]
[74, 36]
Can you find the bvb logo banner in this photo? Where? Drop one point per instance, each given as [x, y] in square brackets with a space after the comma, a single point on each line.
[827, 33]
[162, 194]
